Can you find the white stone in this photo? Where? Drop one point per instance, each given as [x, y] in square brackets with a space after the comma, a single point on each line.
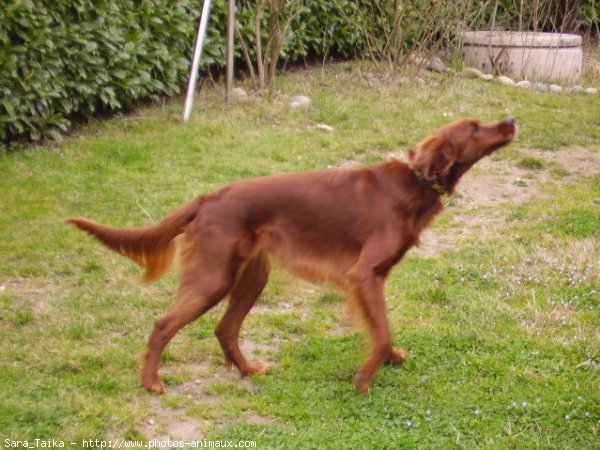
[540, 86]
[322, 126]
[525, 84]
[436, 65]
[555, 88]
[472, 72]
[591, 91]
[575, 89]
[506, 81]
[300, 101]
[487, 77]
[238, 94]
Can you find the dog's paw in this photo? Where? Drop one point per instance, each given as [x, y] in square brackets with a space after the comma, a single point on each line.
[259, 367]
[361, 383]
[154, 384]
[397, 356]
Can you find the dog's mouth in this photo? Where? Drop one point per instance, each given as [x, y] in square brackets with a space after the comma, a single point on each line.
[509, 129]
[508, 132]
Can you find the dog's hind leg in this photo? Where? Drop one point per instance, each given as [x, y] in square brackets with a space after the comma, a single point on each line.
[248, 287]
[188, 307]
[207, 278]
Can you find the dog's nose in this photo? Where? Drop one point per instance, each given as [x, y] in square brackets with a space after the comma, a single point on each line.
[510, 120]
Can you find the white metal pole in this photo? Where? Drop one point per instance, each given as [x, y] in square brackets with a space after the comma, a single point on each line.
[189, 99]
[230, 24]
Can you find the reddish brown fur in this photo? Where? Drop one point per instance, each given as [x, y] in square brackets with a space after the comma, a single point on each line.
[348, 227]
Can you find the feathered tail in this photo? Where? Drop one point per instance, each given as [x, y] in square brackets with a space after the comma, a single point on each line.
[152, 246]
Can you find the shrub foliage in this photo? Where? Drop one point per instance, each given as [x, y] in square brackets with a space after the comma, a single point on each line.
[73, 58]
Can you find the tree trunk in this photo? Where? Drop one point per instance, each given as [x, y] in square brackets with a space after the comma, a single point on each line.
[275, 43]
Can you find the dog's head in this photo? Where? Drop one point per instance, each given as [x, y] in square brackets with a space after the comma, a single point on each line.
[453, 149]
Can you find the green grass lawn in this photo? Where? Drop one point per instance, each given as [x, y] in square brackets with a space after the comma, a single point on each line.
[501, 318]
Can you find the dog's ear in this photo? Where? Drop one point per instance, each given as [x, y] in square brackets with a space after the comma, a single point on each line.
[434, 157]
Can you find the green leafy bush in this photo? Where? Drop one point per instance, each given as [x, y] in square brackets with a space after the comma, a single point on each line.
[72, 58]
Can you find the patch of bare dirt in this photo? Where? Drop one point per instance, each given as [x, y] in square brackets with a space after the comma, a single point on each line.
[171, 424]
[174, 423]
[37, 292]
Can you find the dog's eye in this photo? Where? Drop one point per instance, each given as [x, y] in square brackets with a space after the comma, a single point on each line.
[475, 128]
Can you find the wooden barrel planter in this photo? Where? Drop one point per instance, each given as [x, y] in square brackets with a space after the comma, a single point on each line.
[528, 55]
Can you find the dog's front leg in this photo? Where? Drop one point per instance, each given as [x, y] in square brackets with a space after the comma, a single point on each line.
[365, 282]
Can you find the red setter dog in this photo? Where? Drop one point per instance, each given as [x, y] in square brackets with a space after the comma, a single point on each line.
[348, 227]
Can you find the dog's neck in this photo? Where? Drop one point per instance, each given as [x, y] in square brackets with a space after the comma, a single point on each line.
[436, 184]
[445, 184]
